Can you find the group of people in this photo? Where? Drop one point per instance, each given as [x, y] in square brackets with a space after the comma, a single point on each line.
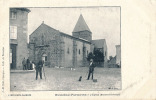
[27, 64]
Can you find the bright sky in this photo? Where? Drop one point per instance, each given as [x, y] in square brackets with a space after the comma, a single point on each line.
[104, 22]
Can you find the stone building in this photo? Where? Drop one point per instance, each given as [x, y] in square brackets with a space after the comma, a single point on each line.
[118, 55]
[100, 44]
[18, 36]
[60, 49]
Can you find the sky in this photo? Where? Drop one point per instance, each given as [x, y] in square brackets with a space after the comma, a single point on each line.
[104, 22]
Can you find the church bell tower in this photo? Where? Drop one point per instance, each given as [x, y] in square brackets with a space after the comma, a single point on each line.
[82, 30]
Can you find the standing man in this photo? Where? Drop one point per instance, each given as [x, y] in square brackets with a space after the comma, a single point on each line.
[28, 64]
[91, 69]
[39, 67]
[24, 64]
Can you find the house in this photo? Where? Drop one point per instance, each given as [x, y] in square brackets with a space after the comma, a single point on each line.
[18, 29]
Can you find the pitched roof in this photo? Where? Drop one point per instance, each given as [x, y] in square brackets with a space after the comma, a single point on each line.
[44, 28]
[81, 25]
[99, 43]
[41, 29]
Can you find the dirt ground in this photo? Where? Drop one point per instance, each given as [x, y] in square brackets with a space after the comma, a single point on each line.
[67, 79]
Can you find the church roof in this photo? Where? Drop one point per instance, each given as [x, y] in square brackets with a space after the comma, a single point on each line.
[44, 28]
[81, 25]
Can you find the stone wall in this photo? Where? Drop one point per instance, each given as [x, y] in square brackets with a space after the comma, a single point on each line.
[79, 53]
[84, 35]
[50, 40]
[68, 50]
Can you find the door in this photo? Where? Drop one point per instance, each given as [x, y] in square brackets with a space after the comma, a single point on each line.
[13, 56]
[44, 58]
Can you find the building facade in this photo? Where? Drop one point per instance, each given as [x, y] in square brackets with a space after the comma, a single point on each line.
[118, 55]
[100, 44]
[18, 36]
[60, 49]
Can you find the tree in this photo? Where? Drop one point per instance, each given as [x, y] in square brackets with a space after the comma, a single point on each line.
[99, 57]
[90, 56]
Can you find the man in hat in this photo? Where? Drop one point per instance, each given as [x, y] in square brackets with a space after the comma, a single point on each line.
[39, 67]
[91, 69]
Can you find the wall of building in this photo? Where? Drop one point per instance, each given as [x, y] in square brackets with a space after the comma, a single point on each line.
[118, 55]
[79, 55]
[68, 51]
[45, 35]
[101, 44]
[105, 54]
[21, 23]
[88, 50]
[84, 35]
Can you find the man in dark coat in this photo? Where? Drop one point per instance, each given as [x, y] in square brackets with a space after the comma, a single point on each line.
[28, 64]
[91, 69]
[39, 67]
[24, 64]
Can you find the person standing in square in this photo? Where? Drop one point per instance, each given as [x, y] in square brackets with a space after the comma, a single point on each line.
[39, 67]
[24, 64]
[91, 69]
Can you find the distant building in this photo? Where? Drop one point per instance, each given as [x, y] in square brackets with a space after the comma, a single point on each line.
[112, 62]
[59, 49]
[18, 36]
[101, 45]
[118, 55]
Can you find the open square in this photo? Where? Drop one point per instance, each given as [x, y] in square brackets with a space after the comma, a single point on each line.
[71, 44]
[67, 79]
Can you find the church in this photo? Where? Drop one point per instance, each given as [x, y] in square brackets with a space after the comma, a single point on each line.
[59, 49]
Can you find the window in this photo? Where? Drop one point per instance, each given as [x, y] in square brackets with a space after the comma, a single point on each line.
[13, 32]
[79, 51]
[46, 58]
[68, 51]
[13, 15]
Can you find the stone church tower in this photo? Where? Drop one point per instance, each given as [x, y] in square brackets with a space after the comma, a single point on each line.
[82, 30]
